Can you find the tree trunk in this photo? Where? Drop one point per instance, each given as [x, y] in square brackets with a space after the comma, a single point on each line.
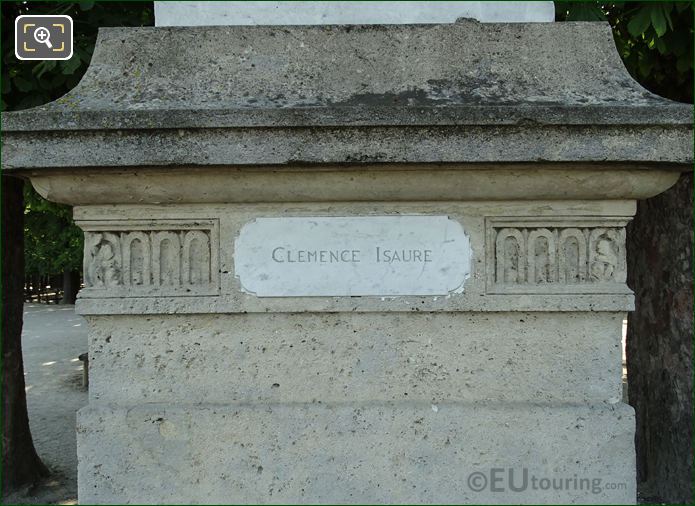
[659, 342]
[71, 285]
[20, 463]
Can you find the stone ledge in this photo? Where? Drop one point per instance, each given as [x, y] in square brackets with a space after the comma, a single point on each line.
[241, 303]
[527, 115]
[296, 146]
[354, 183]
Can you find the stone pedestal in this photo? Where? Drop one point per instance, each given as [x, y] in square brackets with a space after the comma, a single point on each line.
[231, 362]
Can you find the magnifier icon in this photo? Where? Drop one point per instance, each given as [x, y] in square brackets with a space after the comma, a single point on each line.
[43, 36]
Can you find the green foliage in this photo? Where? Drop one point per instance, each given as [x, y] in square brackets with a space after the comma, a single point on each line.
[30, 83]
[655, 40]
[52, 241]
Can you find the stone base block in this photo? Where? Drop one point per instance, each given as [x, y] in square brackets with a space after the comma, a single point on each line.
[357, 453]
[539, 357]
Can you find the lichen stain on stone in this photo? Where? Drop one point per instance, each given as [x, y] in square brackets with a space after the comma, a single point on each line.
[411, 96]
[469, 91]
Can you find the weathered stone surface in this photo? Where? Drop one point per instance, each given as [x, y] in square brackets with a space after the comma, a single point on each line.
[554, 65]
[538, 357]
[356, 453]
[399, 93]
[347, 146]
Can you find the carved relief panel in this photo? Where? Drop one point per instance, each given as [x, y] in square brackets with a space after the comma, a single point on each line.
[556, 255]
[153, 258]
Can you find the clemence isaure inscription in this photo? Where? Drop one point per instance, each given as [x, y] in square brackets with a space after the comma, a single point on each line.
[381, 255]
[352, 256]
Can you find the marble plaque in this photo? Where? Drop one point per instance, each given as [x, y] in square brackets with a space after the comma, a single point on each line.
[352, 256]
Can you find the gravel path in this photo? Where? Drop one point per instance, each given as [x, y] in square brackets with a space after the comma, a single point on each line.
[52, 338]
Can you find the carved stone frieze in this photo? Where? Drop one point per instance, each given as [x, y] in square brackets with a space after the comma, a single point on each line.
[563, 255]
[137, 258]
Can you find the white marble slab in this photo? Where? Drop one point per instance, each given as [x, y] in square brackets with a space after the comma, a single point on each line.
[329, 13]
[350, 256]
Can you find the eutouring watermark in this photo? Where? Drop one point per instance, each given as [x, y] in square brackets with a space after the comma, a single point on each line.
[510, 479]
